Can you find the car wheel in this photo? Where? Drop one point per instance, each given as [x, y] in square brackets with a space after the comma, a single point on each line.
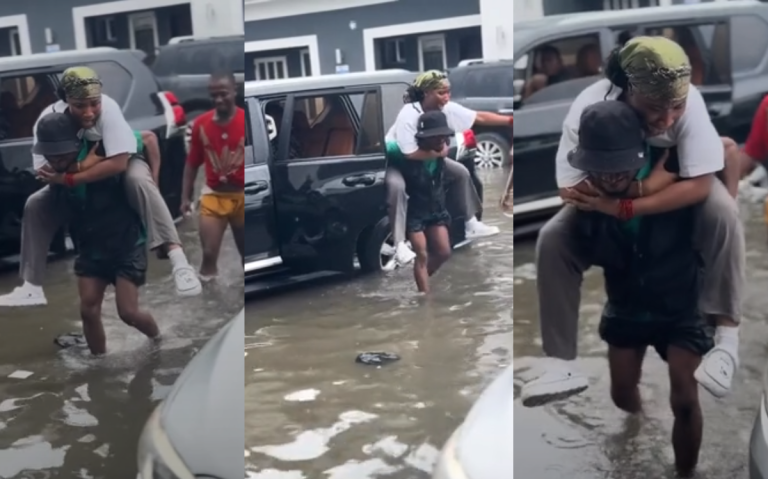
[376, 251]
[492, 151]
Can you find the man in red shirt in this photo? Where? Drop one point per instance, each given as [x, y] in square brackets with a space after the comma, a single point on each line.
[218, 142]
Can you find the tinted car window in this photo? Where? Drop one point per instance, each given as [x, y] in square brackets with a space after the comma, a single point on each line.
[749, 42]
[200, 58]
[489, 82]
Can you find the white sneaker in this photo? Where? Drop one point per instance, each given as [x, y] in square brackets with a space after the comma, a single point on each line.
[187, 282]
[404, 254]
[558, 381]
[715, 373]
[478, 229]
[25, 295]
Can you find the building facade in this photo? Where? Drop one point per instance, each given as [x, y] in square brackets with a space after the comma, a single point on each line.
[532, 9]
[52, 25]
[337, 36]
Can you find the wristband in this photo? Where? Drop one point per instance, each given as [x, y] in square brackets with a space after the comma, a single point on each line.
[626, 210]
[69, 179]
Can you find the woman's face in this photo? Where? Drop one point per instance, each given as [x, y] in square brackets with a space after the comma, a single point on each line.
[659, 117]
[86, 110]
[440, 96]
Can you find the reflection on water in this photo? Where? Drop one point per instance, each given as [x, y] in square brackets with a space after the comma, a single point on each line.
[587, 437]
[312, 412]
[80, 417]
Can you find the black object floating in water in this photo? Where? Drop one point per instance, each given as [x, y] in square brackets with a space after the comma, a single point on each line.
[68, 340]
[376, 359]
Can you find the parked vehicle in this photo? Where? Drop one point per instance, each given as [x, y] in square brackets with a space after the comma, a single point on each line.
[486, 86]
[28, 85]
[184, 67]
[314, 175]
[728, 44]
[482, 446]
[198, 429]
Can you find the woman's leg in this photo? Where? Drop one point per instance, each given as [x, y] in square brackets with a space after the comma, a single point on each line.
[420, 264]
[91, 296]
[397, 206]
[460, 184]
[439, 243]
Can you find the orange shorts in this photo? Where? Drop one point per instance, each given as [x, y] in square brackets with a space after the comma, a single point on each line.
[228, 206]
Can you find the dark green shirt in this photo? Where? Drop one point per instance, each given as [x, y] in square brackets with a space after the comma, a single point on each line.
[398, 158]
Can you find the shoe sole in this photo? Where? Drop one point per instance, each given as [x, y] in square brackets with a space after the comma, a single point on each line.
[24, 304]
[710, 384]
[478, 236]
[190, 292]
[543, 399]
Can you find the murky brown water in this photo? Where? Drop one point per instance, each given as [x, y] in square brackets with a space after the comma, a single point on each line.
[311, 412]
[586, 437]
[76, 417]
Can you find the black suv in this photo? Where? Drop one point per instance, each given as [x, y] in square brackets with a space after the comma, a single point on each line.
[28, 85]
[314, 176]
[486, 86]
[184, 68]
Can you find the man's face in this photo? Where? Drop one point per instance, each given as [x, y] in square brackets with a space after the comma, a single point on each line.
[613, 184]
[435, 143]
[86, 110]
[440, 96]
[222, 92]
[658, 117]
[551, 64]
[61, 163]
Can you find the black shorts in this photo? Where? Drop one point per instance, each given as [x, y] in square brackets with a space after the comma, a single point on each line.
[693, 334]
[131, 266]
[418, 222]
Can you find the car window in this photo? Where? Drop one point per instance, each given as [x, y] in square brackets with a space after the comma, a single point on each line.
[749, 42]
[254, 133]
[330, 126]
[487, 82]
[557, 61]
[707, 46]
[563, 91]
[117, 80]
[22, 99]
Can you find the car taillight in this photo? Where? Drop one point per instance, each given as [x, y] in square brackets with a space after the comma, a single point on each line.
[179, 116]
[469, 139]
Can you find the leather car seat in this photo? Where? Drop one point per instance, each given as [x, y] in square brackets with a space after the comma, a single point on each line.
[340, 138]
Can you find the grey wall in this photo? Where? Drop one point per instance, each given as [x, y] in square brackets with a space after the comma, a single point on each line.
[332, 28]
[57, 15]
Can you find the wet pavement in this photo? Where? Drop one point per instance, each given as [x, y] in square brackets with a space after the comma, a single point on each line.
[78, 417]
[311, 412]
[587, 437]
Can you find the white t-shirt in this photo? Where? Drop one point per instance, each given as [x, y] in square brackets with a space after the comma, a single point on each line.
[407, 122]
[699, 146]
[111, 128]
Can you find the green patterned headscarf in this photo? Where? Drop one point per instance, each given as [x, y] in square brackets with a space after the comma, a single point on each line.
[81, 83]
[657, 68]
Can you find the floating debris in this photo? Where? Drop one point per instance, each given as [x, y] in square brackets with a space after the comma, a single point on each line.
[377, 358]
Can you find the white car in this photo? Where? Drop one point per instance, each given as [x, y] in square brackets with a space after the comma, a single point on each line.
[481, 448]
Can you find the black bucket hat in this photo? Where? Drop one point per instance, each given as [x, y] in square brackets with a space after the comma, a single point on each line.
[611, 139]
[432, 124]
[57, 134]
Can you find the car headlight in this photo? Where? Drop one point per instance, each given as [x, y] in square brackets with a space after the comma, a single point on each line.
[157, 457]
[448, 465]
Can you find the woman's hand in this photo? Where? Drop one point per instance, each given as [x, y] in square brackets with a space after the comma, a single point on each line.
[585, 202]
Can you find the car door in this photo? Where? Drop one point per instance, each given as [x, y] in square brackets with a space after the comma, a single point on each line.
[706, 41]
[262, 249]
[328, 175]
[539, 124]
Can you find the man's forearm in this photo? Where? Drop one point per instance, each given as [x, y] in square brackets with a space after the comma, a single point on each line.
[104, 169]
[188, 182]
[676, 196]
[153, 151]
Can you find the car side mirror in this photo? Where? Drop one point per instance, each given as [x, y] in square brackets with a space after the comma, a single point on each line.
[271, 127]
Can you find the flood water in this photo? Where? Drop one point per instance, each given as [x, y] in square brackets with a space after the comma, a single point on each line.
[587, 437]
[311, 412]
[78, 417]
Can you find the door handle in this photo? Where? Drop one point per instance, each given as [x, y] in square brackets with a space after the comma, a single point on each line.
[359, 180]
[255, 187]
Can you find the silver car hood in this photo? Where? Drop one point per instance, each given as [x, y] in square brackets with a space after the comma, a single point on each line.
[203, 414]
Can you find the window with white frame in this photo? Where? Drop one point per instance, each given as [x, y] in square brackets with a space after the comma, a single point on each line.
[306, 64]
[432, 54]
[273, 68]
[394, 50]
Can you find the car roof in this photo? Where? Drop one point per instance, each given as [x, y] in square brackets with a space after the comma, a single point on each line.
[552, 24]
[186, 42]
[292, 85]
[41, 60]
